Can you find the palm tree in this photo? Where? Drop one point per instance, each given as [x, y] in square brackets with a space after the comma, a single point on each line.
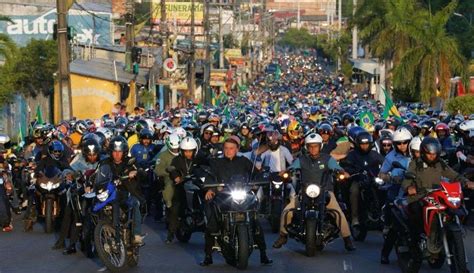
[434, 54]
[382, 27]
[7, 46]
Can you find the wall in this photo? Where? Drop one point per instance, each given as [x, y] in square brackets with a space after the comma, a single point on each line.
[20, 112]
[91, 98]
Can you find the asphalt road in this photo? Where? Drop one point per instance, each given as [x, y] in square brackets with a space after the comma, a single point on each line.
[31, 252]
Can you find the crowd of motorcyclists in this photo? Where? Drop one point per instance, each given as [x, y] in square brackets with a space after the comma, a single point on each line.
[292, 148]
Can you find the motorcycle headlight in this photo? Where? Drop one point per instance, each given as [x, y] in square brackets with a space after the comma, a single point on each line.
[455, 201]
[103, 195]
[379, 181]
[277, 184]
[238, 196]
[286, 175]
[313, 191]
[49, 185]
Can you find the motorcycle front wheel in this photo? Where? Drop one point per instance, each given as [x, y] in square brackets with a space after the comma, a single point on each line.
[48, 215]
[456, 248]
[277, 208]
[111, 253]
[243, 247]
[183, 234]
[310, 237]
[405, 260]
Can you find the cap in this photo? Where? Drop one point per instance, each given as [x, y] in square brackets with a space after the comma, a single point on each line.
[233, 139]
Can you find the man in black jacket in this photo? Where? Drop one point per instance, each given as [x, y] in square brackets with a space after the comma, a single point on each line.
[223, 169]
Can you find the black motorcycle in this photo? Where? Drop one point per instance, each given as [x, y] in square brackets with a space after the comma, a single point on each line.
[49, 187]
[371, 200]
[313, 224]
[194, 219]
[236, 210]
[278, 198]
[113, 233]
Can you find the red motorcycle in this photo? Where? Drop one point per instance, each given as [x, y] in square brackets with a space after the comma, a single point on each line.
[442, 240]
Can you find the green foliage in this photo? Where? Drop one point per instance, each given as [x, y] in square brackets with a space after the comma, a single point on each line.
[229, 41]
[295, 38]
[464, 104]
[35, 66]
[415, 40]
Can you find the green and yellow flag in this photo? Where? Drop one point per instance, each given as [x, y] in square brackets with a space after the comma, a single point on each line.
[39, 115]
[366, 119]
[390, 108]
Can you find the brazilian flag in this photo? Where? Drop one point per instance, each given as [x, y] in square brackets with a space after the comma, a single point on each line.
[390, 108]
[366, 119]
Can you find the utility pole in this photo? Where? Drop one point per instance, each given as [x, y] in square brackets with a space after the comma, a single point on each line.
[221, 40]
[129, 35]
[63, 60]
[207, 70]
[192, 67]
[164, 49]
[339, 28]
[298, 16]
[354, 33]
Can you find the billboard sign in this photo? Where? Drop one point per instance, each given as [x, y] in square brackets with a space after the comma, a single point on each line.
[95, 27]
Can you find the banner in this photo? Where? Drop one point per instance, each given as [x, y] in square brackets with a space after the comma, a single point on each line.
[179, 12]
[93, 27]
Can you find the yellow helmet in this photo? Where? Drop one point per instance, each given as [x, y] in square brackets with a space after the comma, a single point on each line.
[295, 130]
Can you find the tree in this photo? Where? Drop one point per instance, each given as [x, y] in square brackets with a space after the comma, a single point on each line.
[433, 57]
[8, 52]
[35, 67]
[298, 38]
[7, 46]
[415, 41]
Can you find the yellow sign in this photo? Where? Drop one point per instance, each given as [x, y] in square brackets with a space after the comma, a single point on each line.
[233, 53]
[179, 12]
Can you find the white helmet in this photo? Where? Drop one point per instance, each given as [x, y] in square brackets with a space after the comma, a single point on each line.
[188, 143]
[161, 127]
[106, 131]
[313, 138]
[415, 144]
[180, 132]
[401, 134]
[172, 143]
[467, 125]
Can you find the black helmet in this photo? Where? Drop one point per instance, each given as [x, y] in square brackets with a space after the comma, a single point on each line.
[325, 128]
[430, 145]
[118, 143]
[90, 147]
[146, 134]
[56, 149]
[364, 138]
[140, 125]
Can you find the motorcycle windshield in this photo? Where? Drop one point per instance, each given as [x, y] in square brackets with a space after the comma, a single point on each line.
[237, 182]
[112, 194]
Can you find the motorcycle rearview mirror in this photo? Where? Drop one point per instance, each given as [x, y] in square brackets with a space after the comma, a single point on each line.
[131, 161]
[410, 175]
[398, 165]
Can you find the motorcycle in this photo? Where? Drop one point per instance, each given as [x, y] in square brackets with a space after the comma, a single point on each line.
[236, 208]
[194, 219]
[313, 224]
[5, 210]
[114, 224]
[49, 187]
[370, 204]
[84, 205]
[279, 195]
[442, 238]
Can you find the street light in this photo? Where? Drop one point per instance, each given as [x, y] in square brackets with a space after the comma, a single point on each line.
[461, 15]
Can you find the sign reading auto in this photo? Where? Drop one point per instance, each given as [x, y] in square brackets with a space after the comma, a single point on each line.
[96, 29]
